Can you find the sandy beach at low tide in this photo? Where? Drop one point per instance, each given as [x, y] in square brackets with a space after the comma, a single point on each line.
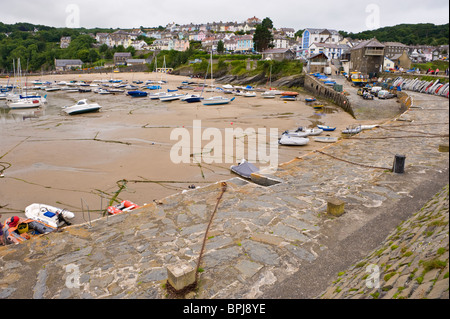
[63, 160]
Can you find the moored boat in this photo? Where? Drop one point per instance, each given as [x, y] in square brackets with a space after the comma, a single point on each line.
[50, 215]
[137, 93]
[82, 106]
[244, 169]
[25, 104]
[17, 230]
[124, 206]
[293, 140]
[326, 128]
[325, 139]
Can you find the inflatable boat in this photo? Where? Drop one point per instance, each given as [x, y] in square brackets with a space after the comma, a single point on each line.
[124, 206]
[17, 230]
[53, 216]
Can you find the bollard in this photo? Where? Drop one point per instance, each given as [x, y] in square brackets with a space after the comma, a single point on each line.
[180, 276]
[335, 206]
[399, 164]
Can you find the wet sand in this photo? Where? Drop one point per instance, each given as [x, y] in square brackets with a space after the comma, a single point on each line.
[64, 160]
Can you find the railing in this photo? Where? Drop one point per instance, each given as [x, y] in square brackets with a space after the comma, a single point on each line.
[374, 51]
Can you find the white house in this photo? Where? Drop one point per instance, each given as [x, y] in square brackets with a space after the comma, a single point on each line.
[331, 50]
[311, 36]
[139, 45]
[280, 42]
[289, 32]
[230, 45]
[388, 64]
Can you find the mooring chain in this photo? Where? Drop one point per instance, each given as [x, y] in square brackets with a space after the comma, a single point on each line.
[224, 188]
[346, 161]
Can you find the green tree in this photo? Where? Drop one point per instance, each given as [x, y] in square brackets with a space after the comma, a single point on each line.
[220, 47]
[263, 37]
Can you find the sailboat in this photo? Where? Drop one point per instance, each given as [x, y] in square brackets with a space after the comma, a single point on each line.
[157, 95]
[216, 100]
[270, 94]
[26, 101]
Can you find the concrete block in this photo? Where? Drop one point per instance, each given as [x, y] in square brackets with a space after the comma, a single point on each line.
[335, 207]
[180, 275]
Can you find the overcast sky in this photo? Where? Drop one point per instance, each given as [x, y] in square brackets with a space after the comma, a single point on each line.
[347, 15]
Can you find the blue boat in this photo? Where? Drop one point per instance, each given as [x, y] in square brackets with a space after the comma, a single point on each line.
[137, 93]
[310, 99]
[154, 87]
[326, 128]
[168, 90]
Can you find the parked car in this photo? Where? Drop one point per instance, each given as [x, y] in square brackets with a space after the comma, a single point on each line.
[383, 94]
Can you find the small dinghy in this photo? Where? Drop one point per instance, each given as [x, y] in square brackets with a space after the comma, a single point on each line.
[293, 140]
[313, 131]
[81, 107]
[368, 127]
[297, 133]
[326, 128]
[244, 169]
[268, 95]
[352, 130]
[17, 230]
[310, 99]
[49, 215]
[288, 98]
[124, 206]
[325, 139]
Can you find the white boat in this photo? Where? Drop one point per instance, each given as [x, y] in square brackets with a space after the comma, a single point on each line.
[293, 140]
[227, 86]
[52, 216]
[103, 92]
[313, 131]
[352, 129]
[325, 139]
[248, 94]
[296, 133]
[52, 89]
[82, 106]
[170, 97]
[157, 95]
[368, 127]
[217, 100]
[25, 104]
[268, 95]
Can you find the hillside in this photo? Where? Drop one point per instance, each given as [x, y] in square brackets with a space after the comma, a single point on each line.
[409, 34]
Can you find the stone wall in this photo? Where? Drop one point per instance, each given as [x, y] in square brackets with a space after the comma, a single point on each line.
[319, 89]
[411, 263]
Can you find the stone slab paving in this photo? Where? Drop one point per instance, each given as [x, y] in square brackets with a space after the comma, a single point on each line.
[264, 242]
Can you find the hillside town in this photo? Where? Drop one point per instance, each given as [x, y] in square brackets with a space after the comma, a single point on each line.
[320, 49]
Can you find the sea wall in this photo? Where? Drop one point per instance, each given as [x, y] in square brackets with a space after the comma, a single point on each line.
[317, 88]
[412, 262]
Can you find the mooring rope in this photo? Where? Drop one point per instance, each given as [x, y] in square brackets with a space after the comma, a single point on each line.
[224, 188]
